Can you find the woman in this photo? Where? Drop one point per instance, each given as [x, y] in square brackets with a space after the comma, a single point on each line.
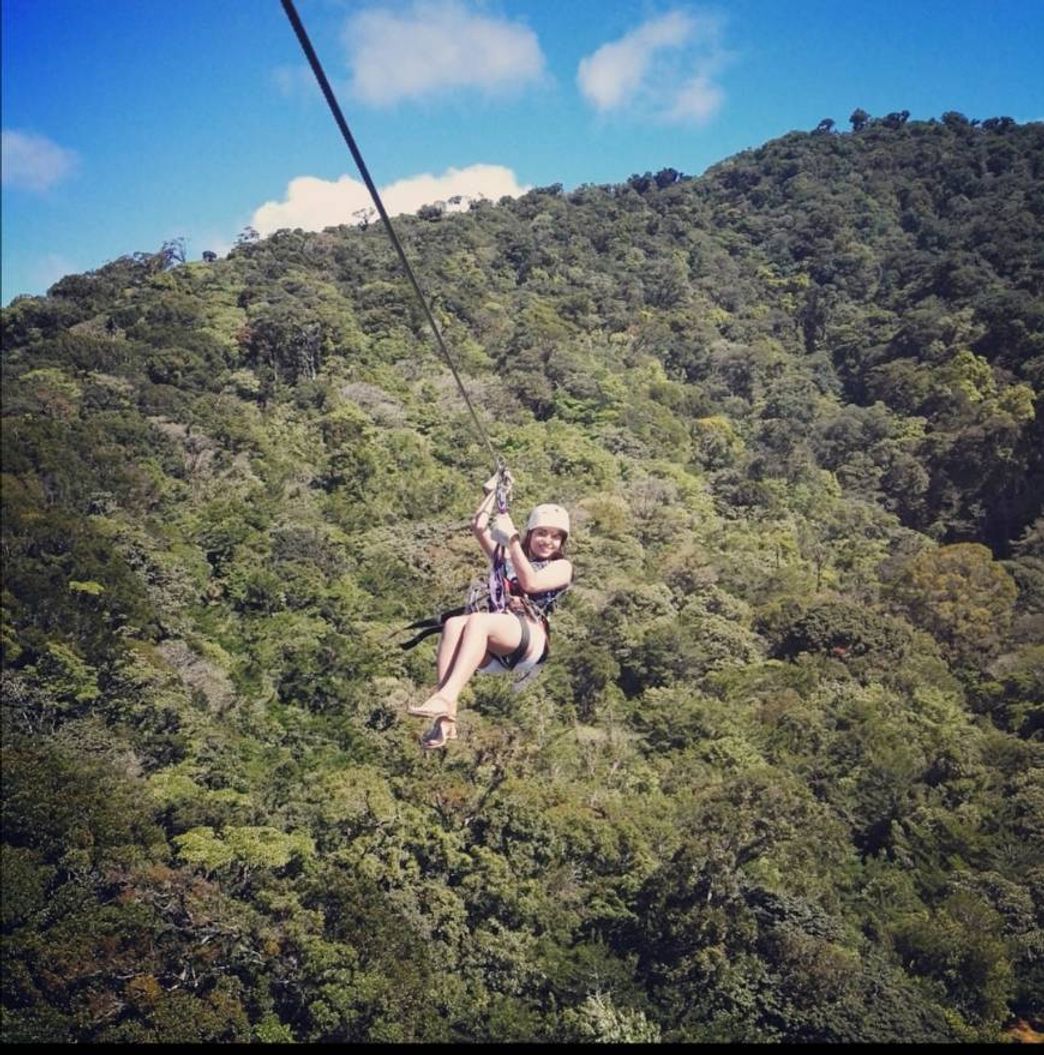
[513, 640]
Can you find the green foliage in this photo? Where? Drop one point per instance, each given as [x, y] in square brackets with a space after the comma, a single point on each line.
[1013, 692]
[846, 630]
[960, 947]
[780, 780]
[598, 1021]
[961, 596]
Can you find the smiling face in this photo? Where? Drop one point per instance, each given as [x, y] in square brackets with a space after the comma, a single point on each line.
[542, 543]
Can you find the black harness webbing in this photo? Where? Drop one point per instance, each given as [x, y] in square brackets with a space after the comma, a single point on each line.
[512, 660]
[428, 627]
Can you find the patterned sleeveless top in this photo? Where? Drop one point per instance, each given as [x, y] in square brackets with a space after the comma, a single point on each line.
[538, 604]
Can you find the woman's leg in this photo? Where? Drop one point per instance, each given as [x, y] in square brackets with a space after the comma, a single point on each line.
[448, 642]
[484, 633]
[468, 649]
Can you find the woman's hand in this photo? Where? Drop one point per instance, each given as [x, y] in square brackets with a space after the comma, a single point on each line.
[503, 529]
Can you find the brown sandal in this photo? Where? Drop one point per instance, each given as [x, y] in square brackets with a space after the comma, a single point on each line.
[438, 735]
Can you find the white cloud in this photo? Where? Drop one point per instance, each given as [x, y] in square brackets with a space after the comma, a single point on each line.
[697, 101]
[662, 69]
[615, 71]
[434, 46]
[312, 203]
[34, 162]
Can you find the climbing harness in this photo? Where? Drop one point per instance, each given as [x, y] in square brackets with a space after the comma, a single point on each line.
[342, 124]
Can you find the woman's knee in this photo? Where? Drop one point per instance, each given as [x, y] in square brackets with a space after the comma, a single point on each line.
[503, 631]
[470, 622]
[480, 620]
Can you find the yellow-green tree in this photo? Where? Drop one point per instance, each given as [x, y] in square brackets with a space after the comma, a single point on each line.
[961, 596]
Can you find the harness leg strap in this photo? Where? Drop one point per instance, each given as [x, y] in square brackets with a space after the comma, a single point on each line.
[512, 660]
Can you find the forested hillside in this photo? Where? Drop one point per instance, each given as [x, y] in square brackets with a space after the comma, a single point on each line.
[781, 779]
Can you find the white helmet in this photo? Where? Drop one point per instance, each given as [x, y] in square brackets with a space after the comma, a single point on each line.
[550, 516]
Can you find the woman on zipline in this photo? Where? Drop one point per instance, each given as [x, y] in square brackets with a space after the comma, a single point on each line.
[536, 575]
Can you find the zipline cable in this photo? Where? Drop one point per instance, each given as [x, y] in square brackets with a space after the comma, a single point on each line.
[342, 124]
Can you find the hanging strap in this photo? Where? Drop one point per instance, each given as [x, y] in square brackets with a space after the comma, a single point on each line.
[428, 627]
[342, 124]
[498, 586]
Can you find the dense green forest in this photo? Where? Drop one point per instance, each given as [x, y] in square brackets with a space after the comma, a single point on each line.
[783, 776]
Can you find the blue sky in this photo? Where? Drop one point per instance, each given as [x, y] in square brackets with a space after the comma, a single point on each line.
[130, 122]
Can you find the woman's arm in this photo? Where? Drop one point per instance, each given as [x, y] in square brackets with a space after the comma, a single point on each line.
[557, 575]
[480, 523]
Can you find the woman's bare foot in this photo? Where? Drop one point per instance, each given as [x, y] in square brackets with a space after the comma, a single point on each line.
[434, 707]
